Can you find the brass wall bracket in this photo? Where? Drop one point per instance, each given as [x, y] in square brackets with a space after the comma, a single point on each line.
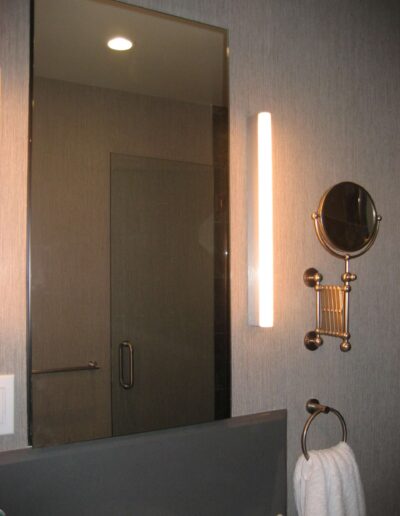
[332, 308]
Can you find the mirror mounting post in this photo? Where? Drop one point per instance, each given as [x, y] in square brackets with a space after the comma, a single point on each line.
[353, 223]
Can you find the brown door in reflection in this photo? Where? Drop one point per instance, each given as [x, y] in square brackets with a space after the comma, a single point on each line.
[162, 293]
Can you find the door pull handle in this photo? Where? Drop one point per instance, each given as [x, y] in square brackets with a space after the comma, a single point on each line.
[122, 347]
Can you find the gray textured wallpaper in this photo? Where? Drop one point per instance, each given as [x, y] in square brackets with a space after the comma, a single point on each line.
[328, 70]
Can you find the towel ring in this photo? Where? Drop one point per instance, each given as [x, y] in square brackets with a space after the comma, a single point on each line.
[314, 407]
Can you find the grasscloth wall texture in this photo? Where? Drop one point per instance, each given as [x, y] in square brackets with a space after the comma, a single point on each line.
[14, 99]
[328, 70]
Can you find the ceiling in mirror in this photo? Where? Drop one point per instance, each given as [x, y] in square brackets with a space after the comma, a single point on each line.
[170, 57]
[129, 203]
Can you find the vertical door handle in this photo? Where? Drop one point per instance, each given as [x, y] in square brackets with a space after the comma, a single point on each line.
[125, 345]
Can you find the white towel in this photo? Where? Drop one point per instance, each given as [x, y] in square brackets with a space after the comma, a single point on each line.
[329, 483]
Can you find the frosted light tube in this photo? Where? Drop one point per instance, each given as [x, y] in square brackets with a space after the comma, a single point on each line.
[261, 264]
[265, 222]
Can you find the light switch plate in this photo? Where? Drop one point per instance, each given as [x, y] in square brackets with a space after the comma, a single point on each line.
[6, 404]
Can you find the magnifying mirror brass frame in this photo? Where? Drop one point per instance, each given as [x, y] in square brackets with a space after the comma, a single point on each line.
[332, 301]
[324, 238]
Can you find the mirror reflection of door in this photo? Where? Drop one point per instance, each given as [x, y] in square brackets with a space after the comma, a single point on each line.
[162, 293]
[129, 223]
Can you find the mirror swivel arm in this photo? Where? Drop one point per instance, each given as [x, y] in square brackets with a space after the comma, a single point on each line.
[332, 308]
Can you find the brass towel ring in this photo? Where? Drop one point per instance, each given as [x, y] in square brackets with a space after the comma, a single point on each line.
[314, 407]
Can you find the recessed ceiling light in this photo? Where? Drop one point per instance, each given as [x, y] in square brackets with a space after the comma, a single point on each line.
[120, 44]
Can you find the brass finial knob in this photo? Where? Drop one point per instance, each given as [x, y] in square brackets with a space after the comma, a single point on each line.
[312, 341]
[345, 346]
[311, 277]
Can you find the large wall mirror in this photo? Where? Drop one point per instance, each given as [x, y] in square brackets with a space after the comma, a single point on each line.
[129, 255]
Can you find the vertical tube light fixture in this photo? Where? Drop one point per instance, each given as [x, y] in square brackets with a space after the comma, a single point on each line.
[261, 265]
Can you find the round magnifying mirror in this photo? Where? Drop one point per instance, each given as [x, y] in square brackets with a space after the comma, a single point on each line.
[347, 221]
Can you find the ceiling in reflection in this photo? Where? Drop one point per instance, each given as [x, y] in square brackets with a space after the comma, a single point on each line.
[170, 58]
